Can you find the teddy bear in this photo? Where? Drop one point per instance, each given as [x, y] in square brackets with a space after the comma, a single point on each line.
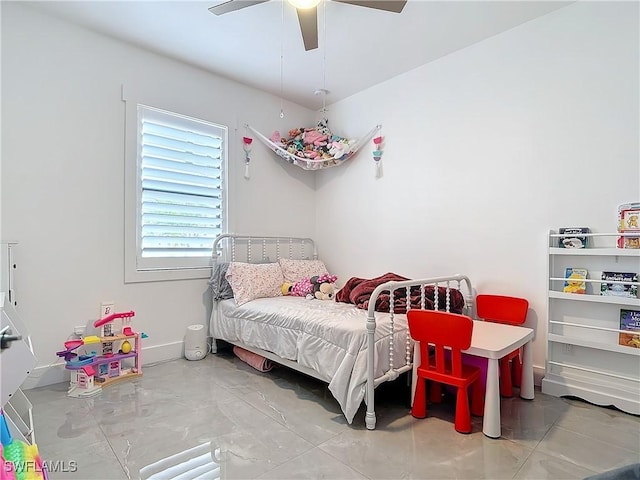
[296, 133]
[324, 286]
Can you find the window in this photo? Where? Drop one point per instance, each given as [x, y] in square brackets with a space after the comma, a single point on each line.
[180, 190]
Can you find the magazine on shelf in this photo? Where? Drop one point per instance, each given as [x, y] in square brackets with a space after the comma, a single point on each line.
[619, 289]
[573, 237]
[574, 282]
[629, 320]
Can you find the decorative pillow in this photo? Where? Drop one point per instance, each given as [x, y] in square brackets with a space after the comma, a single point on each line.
[220, 288]
[296, 270]
[254, 280]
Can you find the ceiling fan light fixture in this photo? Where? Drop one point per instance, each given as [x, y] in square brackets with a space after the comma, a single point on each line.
[304, 4]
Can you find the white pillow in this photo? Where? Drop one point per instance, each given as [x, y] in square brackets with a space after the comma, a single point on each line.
[254, 280]
[296, 270]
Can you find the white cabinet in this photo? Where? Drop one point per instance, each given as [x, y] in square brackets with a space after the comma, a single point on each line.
[584, 358]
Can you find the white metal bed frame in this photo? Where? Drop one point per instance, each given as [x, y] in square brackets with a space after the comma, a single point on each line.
[243, 247]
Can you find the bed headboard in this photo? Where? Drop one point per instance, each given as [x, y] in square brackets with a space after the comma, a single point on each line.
[230, 247]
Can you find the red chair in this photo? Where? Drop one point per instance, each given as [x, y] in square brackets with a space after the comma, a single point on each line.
[444, 331]
[509, 310]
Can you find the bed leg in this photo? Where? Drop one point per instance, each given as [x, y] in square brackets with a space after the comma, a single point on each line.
[370, 419]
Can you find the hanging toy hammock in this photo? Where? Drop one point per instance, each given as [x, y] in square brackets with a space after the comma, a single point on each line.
[313, 148]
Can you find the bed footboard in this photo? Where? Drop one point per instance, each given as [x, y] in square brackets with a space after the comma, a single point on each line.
[416, 297]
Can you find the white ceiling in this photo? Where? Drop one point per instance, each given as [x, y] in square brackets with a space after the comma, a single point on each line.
[359, 47]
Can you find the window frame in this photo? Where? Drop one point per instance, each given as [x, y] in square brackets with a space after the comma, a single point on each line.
[138, 269]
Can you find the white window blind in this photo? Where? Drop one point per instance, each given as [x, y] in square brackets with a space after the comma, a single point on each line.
[181, 189]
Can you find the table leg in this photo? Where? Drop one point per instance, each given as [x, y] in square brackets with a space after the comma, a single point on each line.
[491, 421]
[526, 385]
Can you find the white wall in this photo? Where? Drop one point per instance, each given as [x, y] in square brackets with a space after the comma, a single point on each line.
[63, 170]
[486, 150]
[1, 237]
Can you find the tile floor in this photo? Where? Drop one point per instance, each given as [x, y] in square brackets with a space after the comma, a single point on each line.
[284, 425]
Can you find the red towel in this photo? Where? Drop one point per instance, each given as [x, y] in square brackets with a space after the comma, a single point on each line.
[256, 361]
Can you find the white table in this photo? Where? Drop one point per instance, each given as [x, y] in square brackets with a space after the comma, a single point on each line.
[493, 341]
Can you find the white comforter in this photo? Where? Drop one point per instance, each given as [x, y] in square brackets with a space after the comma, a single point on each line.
[326, 336]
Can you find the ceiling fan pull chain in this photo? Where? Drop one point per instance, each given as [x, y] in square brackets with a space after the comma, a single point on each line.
[282, 61]
[324, 61]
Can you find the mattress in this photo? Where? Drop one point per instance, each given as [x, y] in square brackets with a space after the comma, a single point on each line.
[326, 336]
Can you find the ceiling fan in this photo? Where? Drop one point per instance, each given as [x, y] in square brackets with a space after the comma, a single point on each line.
[308, 13]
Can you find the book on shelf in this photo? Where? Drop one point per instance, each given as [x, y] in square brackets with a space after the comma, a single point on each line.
[573, 237]
[619, 289]
[629, 223]
[630, 321]
[574, 280]
[630, 242]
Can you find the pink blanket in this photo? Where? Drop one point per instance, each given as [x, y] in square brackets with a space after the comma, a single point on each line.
[256, 361]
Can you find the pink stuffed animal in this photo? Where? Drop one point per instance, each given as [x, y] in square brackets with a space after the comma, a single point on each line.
[275, 137]
[302, 288]
[312, 136]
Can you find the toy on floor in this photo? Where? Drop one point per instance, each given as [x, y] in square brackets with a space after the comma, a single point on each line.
[20, 461]
[92, 370]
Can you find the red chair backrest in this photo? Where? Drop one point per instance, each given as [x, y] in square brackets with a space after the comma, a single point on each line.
[441, 329]
[502, 309]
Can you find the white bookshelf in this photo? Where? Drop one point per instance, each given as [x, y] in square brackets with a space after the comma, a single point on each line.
[584, 357]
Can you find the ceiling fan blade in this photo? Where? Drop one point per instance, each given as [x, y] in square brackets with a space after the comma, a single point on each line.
[308, 19]
[395, 6]
[233, 5]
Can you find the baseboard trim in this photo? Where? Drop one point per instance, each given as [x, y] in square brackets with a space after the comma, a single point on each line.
[56, 373]
[53, 373]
